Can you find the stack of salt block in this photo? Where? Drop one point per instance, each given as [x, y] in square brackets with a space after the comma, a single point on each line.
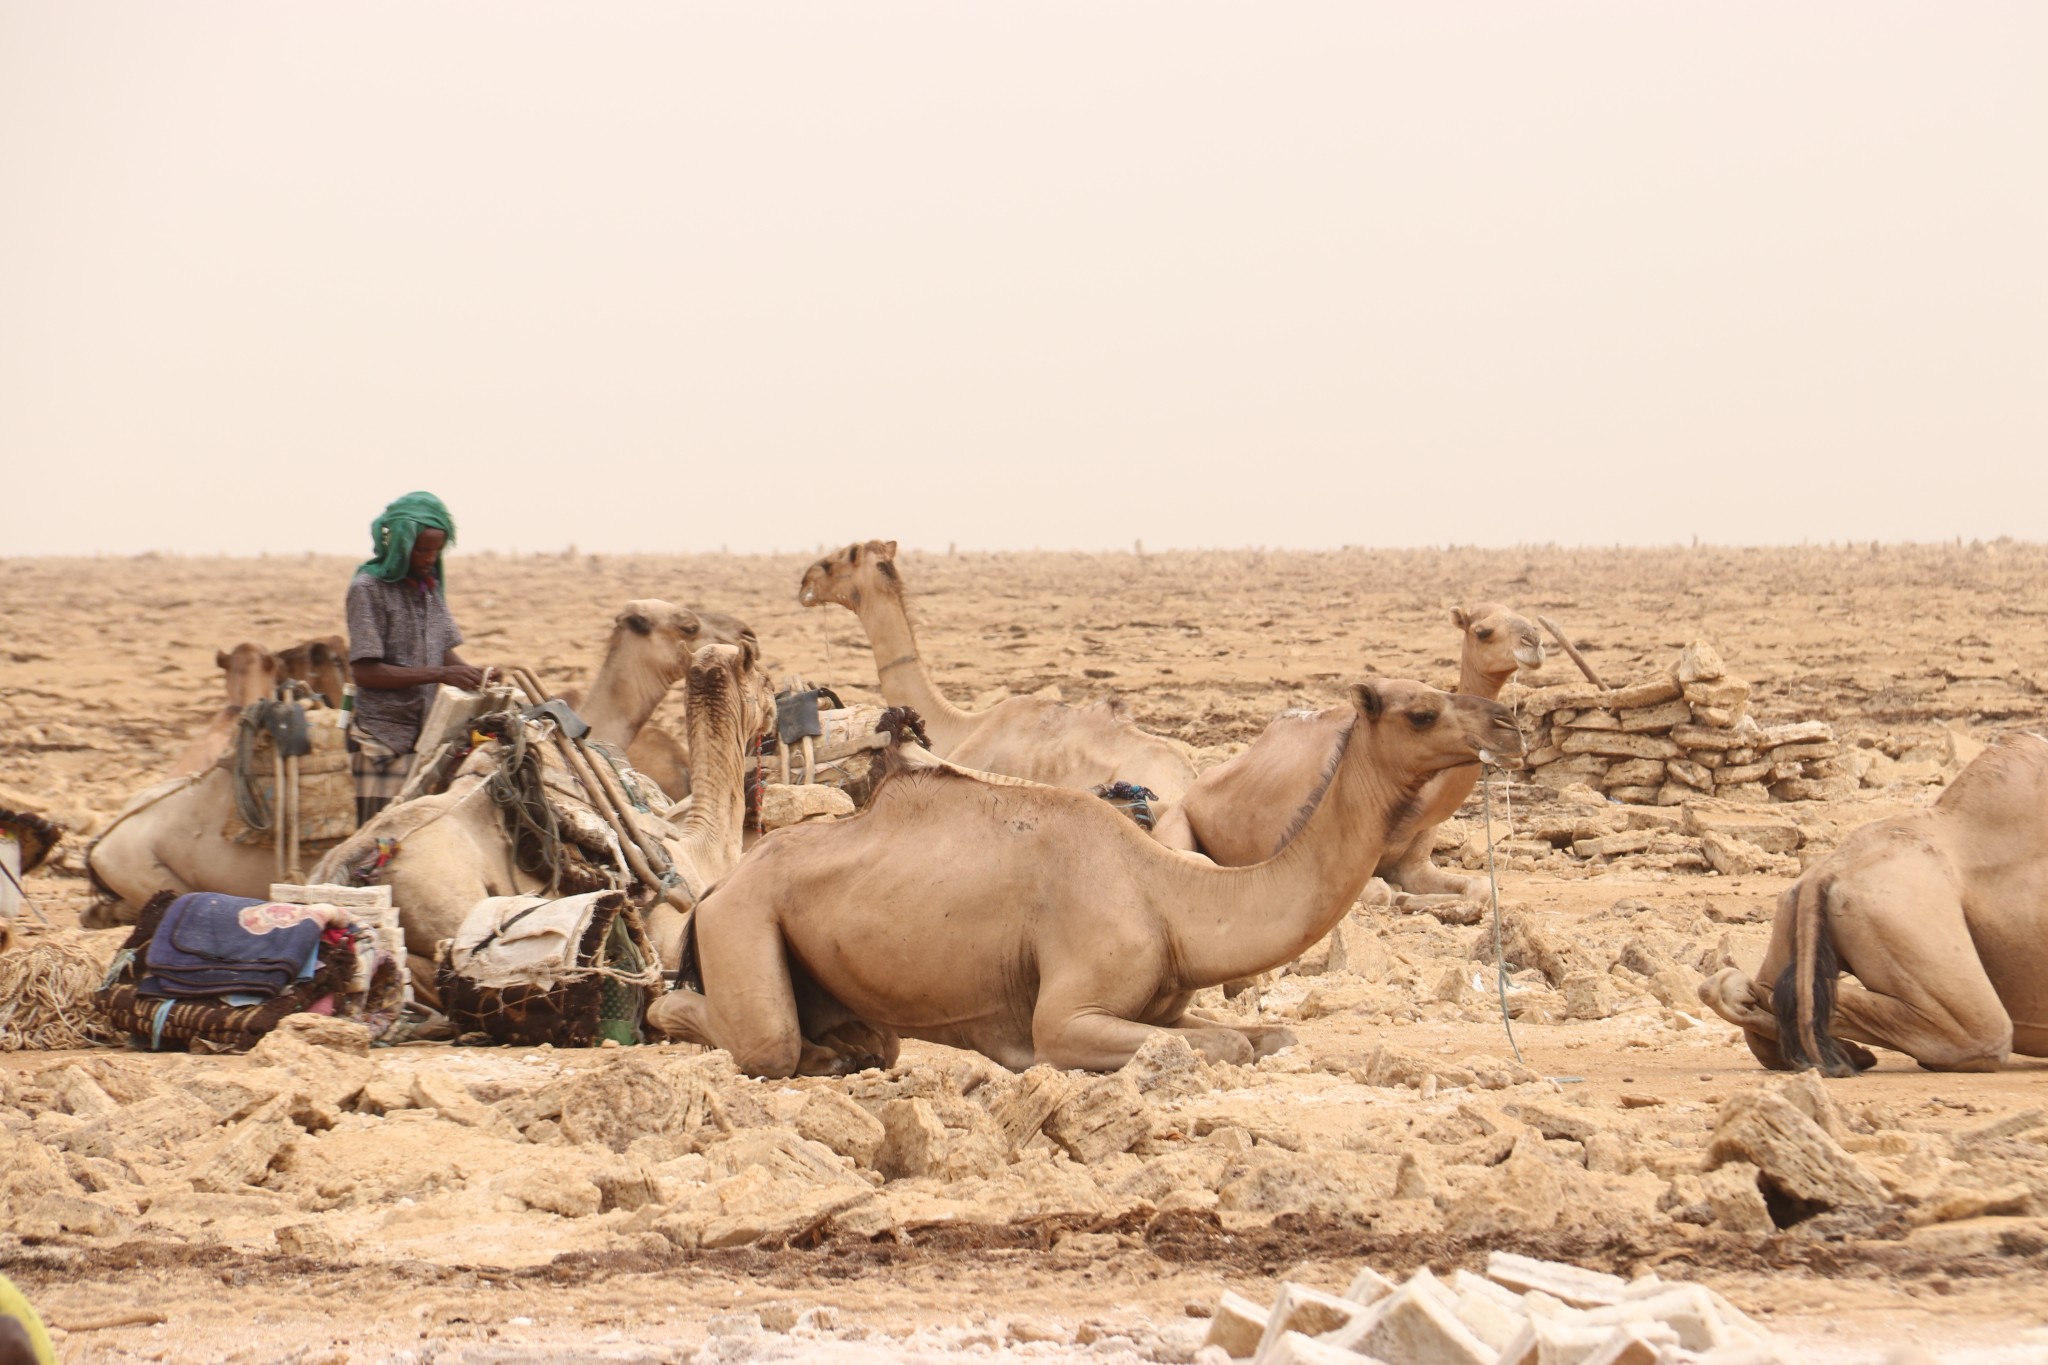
[1677, 737]
[1521, 1312]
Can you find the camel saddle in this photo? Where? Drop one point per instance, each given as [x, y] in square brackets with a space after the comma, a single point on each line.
[327, 790]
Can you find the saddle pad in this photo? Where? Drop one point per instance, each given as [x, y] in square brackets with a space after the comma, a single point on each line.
[522, 940]
[210, 944]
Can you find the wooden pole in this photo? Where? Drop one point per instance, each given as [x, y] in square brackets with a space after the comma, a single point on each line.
[1572, 654]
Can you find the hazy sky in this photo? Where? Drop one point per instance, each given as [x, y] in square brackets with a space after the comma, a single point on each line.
[673, 276]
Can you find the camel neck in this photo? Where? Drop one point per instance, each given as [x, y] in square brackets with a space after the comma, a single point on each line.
[1235, 922]
[717, 809]
[621, 698]
[903, 677]
[1474, 683]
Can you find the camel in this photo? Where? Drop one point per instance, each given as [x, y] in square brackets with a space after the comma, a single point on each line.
[655, 752]
[1941, 915]
[168, 837]
[1028, 737]
[452, 849]
[1239, 812]
[252, 673]
[1034, 924]
[321, 663]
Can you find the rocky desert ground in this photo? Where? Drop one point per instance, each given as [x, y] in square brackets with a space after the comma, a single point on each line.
[317, 1201]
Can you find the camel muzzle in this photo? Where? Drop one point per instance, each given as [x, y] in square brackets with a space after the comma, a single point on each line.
[1530, 656]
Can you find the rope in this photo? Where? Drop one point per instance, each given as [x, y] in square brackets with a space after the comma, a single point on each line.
[46, 997]
[1500, 962]
[249, 800]
[516, 787]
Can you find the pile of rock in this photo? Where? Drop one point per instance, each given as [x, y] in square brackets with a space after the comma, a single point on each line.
[1678, 737]
[1521, 1312]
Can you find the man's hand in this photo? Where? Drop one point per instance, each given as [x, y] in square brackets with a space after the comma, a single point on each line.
[468, 677]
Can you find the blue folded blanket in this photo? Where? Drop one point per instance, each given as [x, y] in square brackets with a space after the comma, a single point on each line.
[210, 944]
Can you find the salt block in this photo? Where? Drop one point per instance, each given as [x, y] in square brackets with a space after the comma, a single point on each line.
[913, 1139]
[1699, 662]
[1237, 1326]
[782, 806]
[1798, 1158]
[1491, 1321]
[1101, 1119]
[1415, 1327]
[1771, 833]
[1463, 1283]
[828, 1117]
[1685, 1311]
[1292, 1348]
[1567, 1283]
[1368, 1286]
[1297, 1308]
[1631, 1346]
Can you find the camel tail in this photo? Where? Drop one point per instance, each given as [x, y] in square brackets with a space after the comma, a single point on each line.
[1804, 994]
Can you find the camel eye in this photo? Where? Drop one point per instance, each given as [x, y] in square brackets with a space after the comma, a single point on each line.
[1422, 720]
[1484, 632]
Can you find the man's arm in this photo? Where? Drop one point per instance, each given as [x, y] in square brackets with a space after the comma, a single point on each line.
[384, 677]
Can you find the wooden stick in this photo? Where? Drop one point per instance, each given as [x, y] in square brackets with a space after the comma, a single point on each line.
[1573, 654]
[134, 1317]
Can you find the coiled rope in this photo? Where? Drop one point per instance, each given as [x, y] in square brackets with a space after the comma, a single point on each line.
[515, 786]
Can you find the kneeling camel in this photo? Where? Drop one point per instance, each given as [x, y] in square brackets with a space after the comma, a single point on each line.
[1033, 924]
[1242, 811]
[1027, 737]
[1941, 915]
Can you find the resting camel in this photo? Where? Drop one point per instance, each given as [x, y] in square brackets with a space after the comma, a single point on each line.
[1240, 812]
[655, 752]
[1028, 737]
[168, 837]
[252, 674]
[453, 851]
[320, 663]
[1033, 924]
[1941, 915]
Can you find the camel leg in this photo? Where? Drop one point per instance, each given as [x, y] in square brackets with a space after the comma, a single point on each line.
[749, 1006]
[1093, 1041]
[1918, 985]
[1266, 1039]
[1173, 829]
[1411, 870]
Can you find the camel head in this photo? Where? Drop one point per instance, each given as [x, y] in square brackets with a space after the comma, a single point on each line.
[252, 672]
[1497, 642]
[655, 639]
[1417, 731]
[726, 678]
[849, 575]
[321, 664]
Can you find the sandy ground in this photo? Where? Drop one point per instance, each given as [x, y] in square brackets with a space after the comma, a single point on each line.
[107, 667]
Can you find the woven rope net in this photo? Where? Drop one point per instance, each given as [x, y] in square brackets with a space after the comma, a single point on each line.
[46, 987]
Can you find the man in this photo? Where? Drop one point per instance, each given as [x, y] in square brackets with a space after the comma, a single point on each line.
[401, 645]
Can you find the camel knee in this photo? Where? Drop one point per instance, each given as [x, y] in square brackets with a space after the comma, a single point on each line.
[1984, 1052]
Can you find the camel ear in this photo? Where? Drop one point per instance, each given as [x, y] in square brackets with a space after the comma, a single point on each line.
[1461, 618]
[750, 652]
[886, 551]
[220, 658]
[321, 654]
[1366, 697]
[853, 554]
[637, 623]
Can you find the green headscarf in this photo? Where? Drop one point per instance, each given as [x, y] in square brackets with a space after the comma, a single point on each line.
[396, 528]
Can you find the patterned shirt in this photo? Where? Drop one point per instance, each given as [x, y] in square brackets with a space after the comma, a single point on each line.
[407, 625]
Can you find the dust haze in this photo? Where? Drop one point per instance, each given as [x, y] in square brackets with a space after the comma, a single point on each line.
[670, 279]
